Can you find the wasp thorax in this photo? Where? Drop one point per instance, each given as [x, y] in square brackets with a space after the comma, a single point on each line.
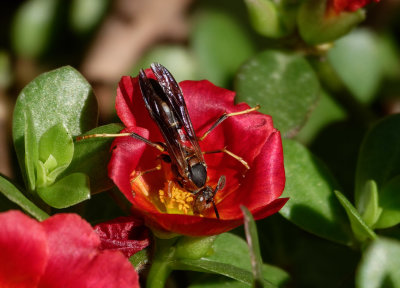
[198, 174]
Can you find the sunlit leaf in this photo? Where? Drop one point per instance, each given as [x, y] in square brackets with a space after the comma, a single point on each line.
[312, 204]
[283, 84]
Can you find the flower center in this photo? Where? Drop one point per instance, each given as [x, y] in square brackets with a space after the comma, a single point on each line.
[171, 197]
[175, 199]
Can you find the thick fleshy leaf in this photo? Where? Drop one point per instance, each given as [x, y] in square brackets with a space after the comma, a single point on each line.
[369, 205]
[23, 259]
[55, 154]
[316, 25]
[125, 234]
[361, 230]
[140, 259]
[91, 156]
[31, 149]
[250, 229]
[312, 204]
[357, 61]
[379, 159]
[389, 202]
[82, 265]
[61, 96]
[326, 112]
[283, 84]
[194, 247]
[16, 196]
[379, 265]
[56, 142]
[231, 258]
[218, 60]
[32, 27]
[66, 192]
[272, 19]
[231, 249]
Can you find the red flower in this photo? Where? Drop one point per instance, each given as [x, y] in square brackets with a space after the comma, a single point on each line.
[62, 251]
[250, 136]
[348, 5]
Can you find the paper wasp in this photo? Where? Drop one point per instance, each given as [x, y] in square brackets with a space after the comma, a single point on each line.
[165, 103]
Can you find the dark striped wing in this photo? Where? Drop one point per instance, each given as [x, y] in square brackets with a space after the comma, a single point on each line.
[177, 102]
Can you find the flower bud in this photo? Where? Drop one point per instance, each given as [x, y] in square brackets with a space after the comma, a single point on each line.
[318, 23]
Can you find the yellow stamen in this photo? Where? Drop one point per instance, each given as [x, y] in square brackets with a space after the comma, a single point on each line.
[175, 199]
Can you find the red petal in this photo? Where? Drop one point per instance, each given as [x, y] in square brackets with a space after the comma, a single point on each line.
[130, 106]
[125, 234]
[202, 226]
[263, 183]
[23, 250]
[349, 5]
[127, 152]
[107, 269]
[75, 258]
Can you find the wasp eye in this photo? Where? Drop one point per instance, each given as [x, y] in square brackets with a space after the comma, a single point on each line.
[198, 174]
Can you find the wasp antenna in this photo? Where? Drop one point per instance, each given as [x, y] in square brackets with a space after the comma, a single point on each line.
[215, 209]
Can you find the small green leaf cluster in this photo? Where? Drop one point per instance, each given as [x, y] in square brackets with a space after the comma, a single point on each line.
[58, 172]
[316, 25]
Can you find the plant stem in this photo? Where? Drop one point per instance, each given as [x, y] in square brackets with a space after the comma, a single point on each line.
[160, 267]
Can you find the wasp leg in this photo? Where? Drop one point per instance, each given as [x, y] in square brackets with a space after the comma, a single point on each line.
[141, 173]
[133, 135]
[233, 155]
[226, 116]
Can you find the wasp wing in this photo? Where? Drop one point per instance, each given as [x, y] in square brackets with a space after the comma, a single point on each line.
[158, 106]
[177, 102]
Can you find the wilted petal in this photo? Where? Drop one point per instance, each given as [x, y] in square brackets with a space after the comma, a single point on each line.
[125, 234]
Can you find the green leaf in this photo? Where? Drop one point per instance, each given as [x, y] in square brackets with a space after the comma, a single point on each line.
[250, 229]
[284, 84]
[316, 27]
[218, 60]
[32, 27]
[66, 192]
[361, 231]
[379, 266]
[389, 202]
[193, 247]
[140, 259]
[379, 157]
[56, 142]
[56, 149]
[231, 250]
[270, 18]
[357, 61]
[91, 157]
[31, 149]
[59, 96]
[326, 112]
[369, 204]
[388, 54]
[16, 196]
[312, 205]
